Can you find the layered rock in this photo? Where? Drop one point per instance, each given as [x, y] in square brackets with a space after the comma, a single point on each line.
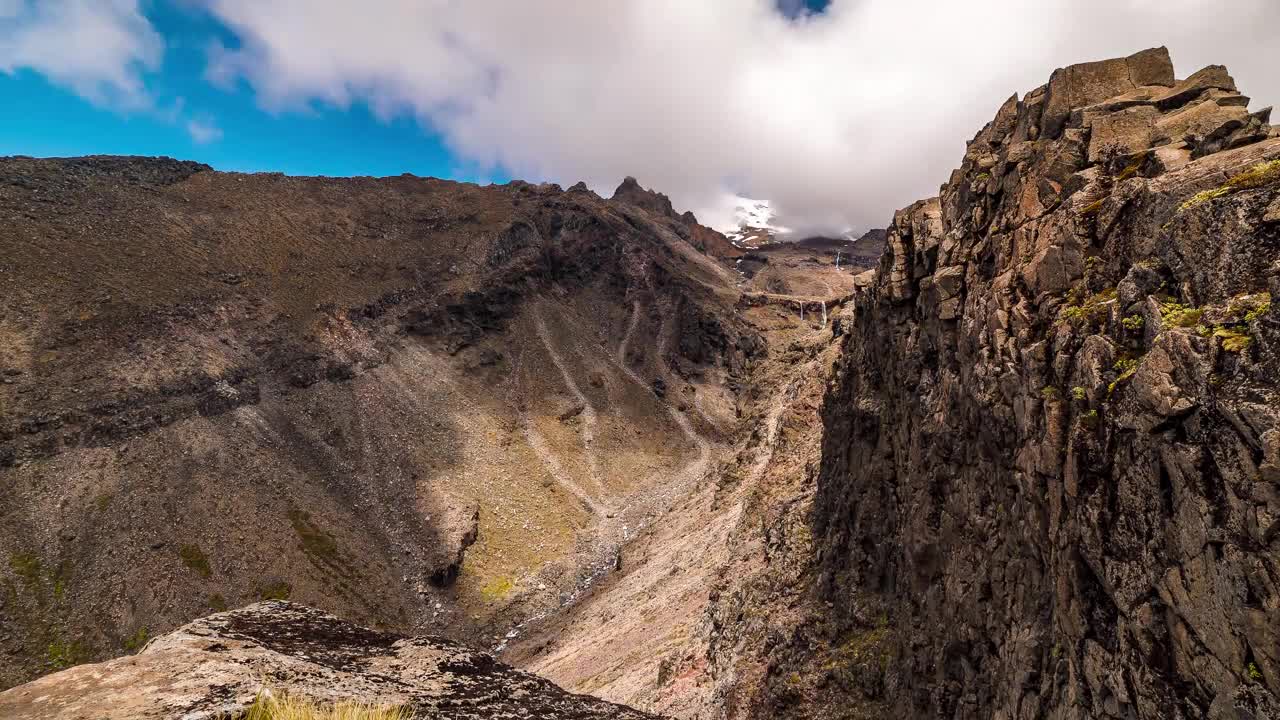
[217, 666]
[1049, 485]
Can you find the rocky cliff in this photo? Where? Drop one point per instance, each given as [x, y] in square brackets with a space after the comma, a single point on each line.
[218, 666]
[1050, 480]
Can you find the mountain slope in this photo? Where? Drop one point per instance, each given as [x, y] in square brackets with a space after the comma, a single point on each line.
[399, 399]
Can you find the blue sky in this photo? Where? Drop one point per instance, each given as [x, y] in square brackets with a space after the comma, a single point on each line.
[49, 120]
[192, 118]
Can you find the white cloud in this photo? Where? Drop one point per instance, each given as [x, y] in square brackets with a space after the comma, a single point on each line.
[838, 119]
[97, 48]
[203, 131]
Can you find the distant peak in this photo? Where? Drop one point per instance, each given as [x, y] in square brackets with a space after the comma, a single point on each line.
[632, 193]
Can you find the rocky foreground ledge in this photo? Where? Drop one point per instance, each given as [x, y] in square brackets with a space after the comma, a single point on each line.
[216, 666]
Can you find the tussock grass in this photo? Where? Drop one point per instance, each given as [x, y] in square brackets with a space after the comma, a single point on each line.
[279, 706]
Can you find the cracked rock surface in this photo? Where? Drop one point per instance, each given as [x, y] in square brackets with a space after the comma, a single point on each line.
[216, 666]
[1050, 447]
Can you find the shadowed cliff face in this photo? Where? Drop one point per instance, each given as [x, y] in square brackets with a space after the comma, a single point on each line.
[1050, 483]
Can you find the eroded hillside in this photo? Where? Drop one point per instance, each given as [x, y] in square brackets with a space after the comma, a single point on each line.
[421, 405]
[414, 403]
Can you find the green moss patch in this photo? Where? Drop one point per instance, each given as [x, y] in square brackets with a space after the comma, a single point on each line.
[1255, 177]
[1125, 367]
[497, 588]
[136, 641]
[62, 654]
[1233, 340]
[868, 648]
[316, 543]
[1248, 308]
[1175, 314]
[279, 590]
[1130, 171]
[193, 557]
[1093, 310]
[26, 566]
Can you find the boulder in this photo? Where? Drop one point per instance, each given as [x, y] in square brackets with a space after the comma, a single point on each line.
[1078, 86]
[1196, 121]
[1233, 132]
[216, 667]
[1125, 132]
[1211, 77]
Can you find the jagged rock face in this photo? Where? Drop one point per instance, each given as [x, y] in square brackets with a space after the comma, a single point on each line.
[700, 236]
[870, 245]
[1052, 447]
[631, 192]
[216, 666]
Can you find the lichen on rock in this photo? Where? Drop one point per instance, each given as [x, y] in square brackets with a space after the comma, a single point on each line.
[219, 666]
[1107, 553]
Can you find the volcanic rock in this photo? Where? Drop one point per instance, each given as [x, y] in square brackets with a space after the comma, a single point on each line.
[216, 667]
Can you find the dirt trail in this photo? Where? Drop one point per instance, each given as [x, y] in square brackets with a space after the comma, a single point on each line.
[540, 447]
[626, 339]
[588, 410]
[696, 468]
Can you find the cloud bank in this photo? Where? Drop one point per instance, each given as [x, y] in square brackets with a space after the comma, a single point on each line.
[837, 118]
[98, 48]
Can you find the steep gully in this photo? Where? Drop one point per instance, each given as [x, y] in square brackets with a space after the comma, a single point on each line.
[1045, 485]
[611, 530]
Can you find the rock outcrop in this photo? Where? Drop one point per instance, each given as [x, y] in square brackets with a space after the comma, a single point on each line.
[686, 224]
[216, 667]
[1050, 484]
[630, 191]
[870, 245]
